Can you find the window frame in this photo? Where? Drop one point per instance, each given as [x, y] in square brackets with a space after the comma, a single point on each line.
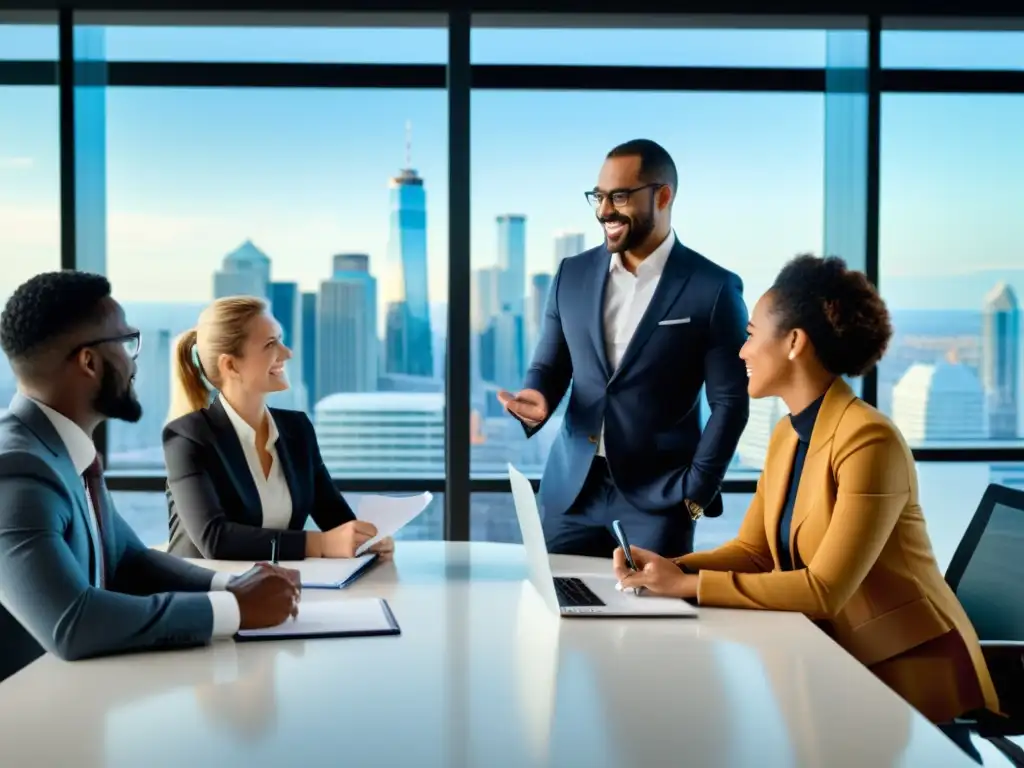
[459, 77]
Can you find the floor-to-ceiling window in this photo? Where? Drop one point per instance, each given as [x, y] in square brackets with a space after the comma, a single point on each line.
[309, 162]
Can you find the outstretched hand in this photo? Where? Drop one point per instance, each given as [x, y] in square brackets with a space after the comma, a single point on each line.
[528, 405]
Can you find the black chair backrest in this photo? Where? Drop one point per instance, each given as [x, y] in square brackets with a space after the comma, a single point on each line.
[987, 570]
[987, 575]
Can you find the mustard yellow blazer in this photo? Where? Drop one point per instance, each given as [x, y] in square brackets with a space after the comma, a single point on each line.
[864, 567]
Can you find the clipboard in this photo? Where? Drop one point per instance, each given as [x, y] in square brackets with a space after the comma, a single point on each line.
[361, 617]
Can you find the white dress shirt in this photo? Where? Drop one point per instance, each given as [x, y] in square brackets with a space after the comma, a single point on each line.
[82, 450]
[626, 298]
[275, 497]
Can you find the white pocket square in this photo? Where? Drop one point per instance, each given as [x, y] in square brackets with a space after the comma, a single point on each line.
[677, 321]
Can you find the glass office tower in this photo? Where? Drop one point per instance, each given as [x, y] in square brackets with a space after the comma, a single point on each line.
[407, 334]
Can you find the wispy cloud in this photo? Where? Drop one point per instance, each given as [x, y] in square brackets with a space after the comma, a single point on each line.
[15, 163]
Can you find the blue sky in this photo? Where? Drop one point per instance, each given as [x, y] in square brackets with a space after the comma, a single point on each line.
[192, 173]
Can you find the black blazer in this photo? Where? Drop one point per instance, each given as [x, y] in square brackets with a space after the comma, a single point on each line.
[213, 505]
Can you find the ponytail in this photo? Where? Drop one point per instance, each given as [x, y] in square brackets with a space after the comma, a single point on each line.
[225, 327]
[189, 391]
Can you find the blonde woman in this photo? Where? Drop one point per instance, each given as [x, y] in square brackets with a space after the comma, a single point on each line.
[242, 478]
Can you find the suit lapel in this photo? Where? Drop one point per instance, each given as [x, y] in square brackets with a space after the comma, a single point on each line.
[777, 472]
[678, 268]
[833, 406]
[598, 287]
[230, 449]
[41, 426]
[288, 470]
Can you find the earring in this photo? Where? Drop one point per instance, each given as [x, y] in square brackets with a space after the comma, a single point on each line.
[792, 355]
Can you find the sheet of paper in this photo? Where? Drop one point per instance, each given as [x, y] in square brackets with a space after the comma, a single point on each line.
[390, 514]
[327, 571]
[324, 617]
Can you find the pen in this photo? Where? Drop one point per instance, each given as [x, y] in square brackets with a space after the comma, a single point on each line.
[620, 534]
[273, 549]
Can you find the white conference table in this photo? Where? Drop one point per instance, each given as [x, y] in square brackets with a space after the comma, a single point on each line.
[482, 675]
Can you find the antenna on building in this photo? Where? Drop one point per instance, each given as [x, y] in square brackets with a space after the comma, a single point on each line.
[408, 143]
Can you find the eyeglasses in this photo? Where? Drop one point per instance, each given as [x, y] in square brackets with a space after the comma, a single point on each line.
[619, 197]
[131, 342]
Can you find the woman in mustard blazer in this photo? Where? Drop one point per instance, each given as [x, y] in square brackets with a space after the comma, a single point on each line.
[835, 530]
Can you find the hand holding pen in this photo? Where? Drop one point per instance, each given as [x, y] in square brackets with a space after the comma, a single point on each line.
[290, 573]
[638, 569]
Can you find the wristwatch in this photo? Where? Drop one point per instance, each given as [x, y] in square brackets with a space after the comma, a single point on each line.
[695, 509]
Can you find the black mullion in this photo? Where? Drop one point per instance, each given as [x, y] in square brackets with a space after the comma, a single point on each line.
[869, 384]
[457, 379]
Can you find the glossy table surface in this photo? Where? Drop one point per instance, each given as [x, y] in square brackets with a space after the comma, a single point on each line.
[482, 675]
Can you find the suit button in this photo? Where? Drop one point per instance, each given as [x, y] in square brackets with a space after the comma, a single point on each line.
[592, 438]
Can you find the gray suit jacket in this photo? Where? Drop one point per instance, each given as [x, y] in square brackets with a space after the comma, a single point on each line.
[47, 599]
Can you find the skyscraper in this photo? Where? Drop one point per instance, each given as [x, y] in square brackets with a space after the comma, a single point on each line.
[485, 306]
[408, 340]
[347, 328]
[509, 337]
[568, 244]
[286, 306]
[382, 434]
[309, 350]
[139, 443]
[512, 261]
[539, 286]
[939, 403]
[508, 350]
[243, 272]
[1000, 375]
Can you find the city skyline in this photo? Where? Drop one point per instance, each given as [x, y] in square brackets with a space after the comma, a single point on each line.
[303, 175]
[511, 254]
[184, 195]
[192, 174]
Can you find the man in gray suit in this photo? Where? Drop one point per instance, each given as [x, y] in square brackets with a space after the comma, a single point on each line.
[74, 578]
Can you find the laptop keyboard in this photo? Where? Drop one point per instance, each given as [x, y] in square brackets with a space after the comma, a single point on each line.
[574, 593]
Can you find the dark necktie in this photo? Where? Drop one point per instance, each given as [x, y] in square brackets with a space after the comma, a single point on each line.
[97, 489]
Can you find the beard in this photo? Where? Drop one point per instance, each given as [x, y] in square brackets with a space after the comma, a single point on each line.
[638, 229]
[114, 401]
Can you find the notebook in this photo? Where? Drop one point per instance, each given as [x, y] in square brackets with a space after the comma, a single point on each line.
[331, 573]
[358, 617]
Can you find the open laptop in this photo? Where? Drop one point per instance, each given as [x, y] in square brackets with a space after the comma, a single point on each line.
[579, 595]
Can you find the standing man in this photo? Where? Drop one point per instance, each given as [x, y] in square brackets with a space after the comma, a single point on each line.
[74, 578]
[637, 326]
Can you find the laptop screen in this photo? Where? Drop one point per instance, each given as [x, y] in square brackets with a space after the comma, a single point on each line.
[536, 549]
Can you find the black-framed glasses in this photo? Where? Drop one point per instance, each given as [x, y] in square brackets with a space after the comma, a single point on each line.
[131, 342]
[618, 197]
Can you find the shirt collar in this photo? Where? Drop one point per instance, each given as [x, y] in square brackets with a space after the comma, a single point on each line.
[243, 430]
[80, 446]
[654, 264]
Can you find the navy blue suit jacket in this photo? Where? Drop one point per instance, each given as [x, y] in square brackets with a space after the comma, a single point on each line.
[212, 501]
[650, 405]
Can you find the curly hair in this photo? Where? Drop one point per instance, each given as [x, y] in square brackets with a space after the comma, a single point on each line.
[839, 310]
[47, 306]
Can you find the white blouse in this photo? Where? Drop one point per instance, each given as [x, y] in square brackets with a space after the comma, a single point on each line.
[275, 498]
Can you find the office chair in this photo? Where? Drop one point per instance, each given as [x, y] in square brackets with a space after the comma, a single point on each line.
[987, 575]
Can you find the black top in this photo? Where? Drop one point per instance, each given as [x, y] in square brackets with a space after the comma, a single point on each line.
[213, 504]
[803, 425]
